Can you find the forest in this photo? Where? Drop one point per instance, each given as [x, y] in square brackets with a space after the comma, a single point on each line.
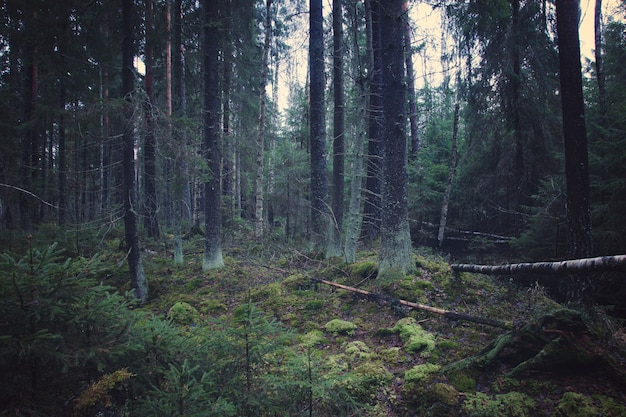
[312, 208]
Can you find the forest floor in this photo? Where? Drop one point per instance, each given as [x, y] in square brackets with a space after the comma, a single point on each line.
[409, 362]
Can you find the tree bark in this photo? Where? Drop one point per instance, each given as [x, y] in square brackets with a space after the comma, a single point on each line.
[135, 266]
[395, 247]
[373, 182]
[451, 172]
[319, 185]
[211, 146]
[452, 315]
[260, 140]
[602, 263]
[151, 222]
[575, 138]
[336, 223]
[599, 58]
[354, 216]
[410, 81]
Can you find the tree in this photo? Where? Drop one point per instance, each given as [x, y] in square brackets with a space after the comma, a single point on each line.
[395, 250]
[260, 142]
[336, 223]
[138, 279]
[319, 187]
[151, 222]
[372, 204]
[575, 139]
[211, 146]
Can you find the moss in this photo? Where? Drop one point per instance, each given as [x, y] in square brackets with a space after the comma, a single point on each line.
[420, 373]
[365, 269]
[611, 407]
[314, 305]
[183, 313]
[212, 306]
[357, 350]
[270, 291]
[573, 404]
[443, 393]
[98, 392]
[462, 381]
[338, 326]
[391, 355]
[512, 404]
[415, 338]
[296, 282]
[312, 338]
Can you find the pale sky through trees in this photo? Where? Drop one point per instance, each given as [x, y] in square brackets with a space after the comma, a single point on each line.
[426, 24]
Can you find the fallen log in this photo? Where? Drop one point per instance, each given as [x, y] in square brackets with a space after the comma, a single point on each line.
[601, 263]
[451, 315]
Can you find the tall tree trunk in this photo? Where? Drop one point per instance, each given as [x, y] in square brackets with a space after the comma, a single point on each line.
[319, 185]
[375, 145]
[135, 266]
[176, 109]
[599, 58]
[354, 216]
[395, 245]
[333, 247]
[575, 137]
[62, 157]
[228, 173]
[443, 219]
[260, 140]
[30, 143]
[410, 81]
[151, 222]
[211, 146]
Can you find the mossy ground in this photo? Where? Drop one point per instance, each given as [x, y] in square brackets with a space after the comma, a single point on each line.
[399, 379]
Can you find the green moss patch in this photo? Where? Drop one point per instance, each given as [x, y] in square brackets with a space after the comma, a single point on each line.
[415, 338]
[338, 326]
[183, 313]
[512, 404]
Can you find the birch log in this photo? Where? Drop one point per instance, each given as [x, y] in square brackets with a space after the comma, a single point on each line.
[601, 263]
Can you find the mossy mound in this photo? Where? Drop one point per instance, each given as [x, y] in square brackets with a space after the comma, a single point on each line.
[338, 326]
[511, 404]
[183, 313]
[416, 339]
[420, 373]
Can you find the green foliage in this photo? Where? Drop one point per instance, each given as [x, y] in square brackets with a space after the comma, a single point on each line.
[57, 320]
[415, 338]
[420, 373]
[183, 313]
[512, 404]
[99, 392]
[338, 326]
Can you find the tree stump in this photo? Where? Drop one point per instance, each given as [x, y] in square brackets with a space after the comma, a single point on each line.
[557, 342]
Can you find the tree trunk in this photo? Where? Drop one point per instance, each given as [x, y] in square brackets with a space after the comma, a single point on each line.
[177, 108]
[451, 172]
[395, 250]
[30, 142]
[354, 217]
[151, 222]
[599, 58]
[211, 148]
[602, 263]
[410, 81]
[260, 141]
[575, 137]
[336, 224]
[372, 204]
[135, 266]
[319, 185]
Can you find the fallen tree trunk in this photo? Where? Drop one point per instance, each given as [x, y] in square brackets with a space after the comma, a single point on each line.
[602, 263]
[451, 315]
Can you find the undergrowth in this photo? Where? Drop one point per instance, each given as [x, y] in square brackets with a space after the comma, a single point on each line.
[255, 338]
